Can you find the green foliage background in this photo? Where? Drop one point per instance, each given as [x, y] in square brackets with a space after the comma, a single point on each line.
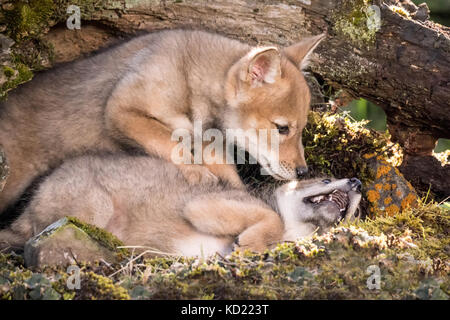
[363, 109]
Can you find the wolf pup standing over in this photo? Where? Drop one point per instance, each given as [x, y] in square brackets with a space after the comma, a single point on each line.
[136, 94]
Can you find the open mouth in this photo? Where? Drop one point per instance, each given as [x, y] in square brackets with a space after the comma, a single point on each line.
[339, 198]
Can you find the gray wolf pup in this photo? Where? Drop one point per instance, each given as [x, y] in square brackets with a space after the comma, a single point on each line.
[148, 202]
[133, 96]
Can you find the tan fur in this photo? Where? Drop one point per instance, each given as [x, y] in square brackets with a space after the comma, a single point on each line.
[136, 94]
[148, 202]
[257, 227]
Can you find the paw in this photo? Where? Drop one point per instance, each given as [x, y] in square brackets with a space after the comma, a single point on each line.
[249, 242]
[195, 174]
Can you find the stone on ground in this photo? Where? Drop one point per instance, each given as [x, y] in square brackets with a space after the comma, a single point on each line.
[65, 242]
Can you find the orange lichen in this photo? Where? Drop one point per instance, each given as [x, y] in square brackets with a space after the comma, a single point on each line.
[410, 186]
[392, 210]
[394, 186]
[369, 155]
[387, 187]
[373, 195]
[408, 201]
[382, 160]
[383, 170]
[378, 186]
[387, 200]
[399, 194]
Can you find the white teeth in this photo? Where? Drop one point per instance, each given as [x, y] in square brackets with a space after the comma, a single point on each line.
[317, 199]
[339, 198]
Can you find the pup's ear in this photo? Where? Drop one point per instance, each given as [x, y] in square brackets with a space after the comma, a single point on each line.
[261, 65]
[301, 51]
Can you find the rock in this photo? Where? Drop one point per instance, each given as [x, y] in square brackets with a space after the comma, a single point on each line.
[389, 193]
[5, 44]
[69, 241]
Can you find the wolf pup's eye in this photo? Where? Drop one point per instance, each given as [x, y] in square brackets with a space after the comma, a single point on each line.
[326, 181]
[282, 129]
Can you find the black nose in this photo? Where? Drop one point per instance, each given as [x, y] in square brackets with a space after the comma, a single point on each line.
[301, 171]
[355, 183]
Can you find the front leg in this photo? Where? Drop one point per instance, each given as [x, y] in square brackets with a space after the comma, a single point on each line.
[256, 227]
[223, 170]
[154, 137]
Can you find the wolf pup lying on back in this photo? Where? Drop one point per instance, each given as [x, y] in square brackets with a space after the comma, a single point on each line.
[147, 202]
[135, 95]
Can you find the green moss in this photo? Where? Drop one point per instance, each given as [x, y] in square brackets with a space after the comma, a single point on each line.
[28, 18]
[8, 71]
[350, 21]
[98, 287]
[104, 237]
[409, 249]
[37, 54]
[23, 75]
[335, 145]
[428, 224]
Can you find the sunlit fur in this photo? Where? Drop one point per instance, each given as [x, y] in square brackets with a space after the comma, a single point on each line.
[147, 202]
[133, 96]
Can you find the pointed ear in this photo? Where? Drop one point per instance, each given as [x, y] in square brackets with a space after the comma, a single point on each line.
[261, 65]
[301, 51]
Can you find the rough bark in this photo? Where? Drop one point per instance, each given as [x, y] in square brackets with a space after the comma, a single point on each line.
[426, 172]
